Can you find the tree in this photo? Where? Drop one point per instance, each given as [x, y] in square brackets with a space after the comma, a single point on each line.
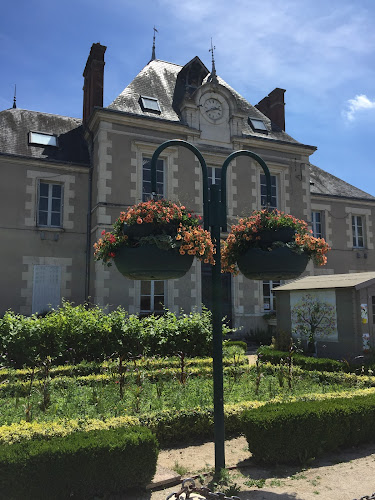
[312, 318]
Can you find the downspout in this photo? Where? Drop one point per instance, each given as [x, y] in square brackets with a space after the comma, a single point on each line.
[88, 223]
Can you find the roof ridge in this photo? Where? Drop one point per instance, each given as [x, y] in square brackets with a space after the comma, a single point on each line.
[16, 110]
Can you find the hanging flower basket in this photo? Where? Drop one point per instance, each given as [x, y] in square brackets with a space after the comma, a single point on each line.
[279, 263]
[271, 245]
[149, 262]
[155, 240]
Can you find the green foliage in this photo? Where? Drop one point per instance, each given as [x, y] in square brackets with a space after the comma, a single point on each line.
[282, 340]
[73, 334]
[302, 430]
[227, 344]
[83, 464]
[306, 362]
[260, 336]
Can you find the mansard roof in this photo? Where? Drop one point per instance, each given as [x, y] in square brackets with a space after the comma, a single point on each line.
[158, 80]
[15, 125]
[323, 183]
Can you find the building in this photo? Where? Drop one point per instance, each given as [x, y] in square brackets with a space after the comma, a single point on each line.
[342, 305]
[67, 180]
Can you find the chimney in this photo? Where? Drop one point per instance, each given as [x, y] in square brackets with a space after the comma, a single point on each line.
[93, 80]
[273, 106]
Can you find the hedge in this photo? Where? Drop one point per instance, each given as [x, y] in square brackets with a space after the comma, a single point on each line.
[301, 430]
[273, 356]
[81, 465]
[169, 426]
[91, 368]
[73, 334]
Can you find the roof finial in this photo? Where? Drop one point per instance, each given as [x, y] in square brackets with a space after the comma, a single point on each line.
[153, 57]
[213, 76]
[14, 98]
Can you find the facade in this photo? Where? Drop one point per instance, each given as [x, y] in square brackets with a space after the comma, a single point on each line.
[68, 179]
[347, 311]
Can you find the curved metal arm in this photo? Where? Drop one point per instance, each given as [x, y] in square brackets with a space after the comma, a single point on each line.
[224, 169]
[180, 142]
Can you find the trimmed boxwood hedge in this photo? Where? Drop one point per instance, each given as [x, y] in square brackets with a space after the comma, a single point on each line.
[81, 465]
[306, 362]
[302, 430]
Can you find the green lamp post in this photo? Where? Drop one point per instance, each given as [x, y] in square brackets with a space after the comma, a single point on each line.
[214, 219]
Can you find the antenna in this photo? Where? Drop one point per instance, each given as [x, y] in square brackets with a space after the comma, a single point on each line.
[14, 98]
[153, 45]
[213, 76]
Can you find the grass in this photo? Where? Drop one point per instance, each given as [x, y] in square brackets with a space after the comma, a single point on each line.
[98, 396]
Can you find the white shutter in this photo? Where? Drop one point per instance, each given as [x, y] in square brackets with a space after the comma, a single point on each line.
[46, 288]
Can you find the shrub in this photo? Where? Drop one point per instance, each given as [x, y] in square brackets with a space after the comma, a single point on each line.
[83, 464]
[235, 343]
[298, 431]
[73, 334]
[306, 362]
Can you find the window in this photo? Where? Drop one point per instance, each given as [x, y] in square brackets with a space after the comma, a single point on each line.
[257, 125]
[150, 104]
[41, 139]
[357, 227]
[214, 176]
[263, 191]
[49, 204]
[146, 178]
[269, 297]
[317, 224]
[152, 297]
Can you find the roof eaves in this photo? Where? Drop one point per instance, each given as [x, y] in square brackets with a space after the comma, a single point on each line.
[343, 197]
[44, 160]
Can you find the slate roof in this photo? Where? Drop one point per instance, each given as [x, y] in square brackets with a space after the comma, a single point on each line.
[326, 184]
[158, 79]
[15, 125]
[356, 280]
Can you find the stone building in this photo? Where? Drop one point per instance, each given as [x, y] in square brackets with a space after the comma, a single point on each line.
[67, 180]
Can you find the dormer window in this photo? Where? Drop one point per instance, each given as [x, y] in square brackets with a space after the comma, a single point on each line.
[150, 104]
[42, 139]
[257, 125]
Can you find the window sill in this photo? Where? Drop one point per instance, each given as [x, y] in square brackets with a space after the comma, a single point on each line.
[50, 229]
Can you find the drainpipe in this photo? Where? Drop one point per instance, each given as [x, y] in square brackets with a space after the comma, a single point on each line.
[88, 222]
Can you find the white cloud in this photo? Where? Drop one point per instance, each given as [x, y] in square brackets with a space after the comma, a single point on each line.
[359, 103]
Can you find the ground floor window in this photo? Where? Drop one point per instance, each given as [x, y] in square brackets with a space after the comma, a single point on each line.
[269, 297]
[152, 297]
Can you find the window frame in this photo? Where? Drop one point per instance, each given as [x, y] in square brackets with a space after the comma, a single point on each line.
[49, 210]
[355, 231]
[272, 295]
[315, 223]
[145, 107]
[145, 195]
[263, 196]
[151, 295]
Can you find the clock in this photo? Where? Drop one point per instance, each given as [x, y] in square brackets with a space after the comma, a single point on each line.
[213, 109]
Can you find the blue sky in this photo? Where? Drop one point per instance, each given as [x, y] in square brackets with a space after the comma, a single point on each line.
[322, 53]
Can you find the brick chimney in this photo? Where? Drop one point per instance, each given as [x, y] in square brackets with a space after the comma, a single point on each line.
[273, 106]
[93, 80]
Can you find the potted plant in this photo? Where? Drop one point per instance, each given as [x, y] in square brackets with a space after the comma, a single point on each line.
[155, 240]
[271, 245]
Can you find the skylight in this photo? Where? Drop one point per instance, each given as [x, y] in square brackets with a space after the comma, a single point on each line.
[41, 139]
[257, 125]
[150, 104]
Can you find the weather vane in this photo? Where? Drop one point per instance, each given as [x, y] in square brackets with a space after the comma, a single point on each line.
[153, 45]
[213, 77]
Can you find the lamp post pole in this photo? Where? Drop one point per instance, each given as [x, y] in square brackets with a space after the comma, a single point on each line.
[215, 219]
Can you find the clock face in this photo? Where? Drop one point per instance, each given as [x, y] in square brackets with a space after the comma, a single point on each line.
[213, 109]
